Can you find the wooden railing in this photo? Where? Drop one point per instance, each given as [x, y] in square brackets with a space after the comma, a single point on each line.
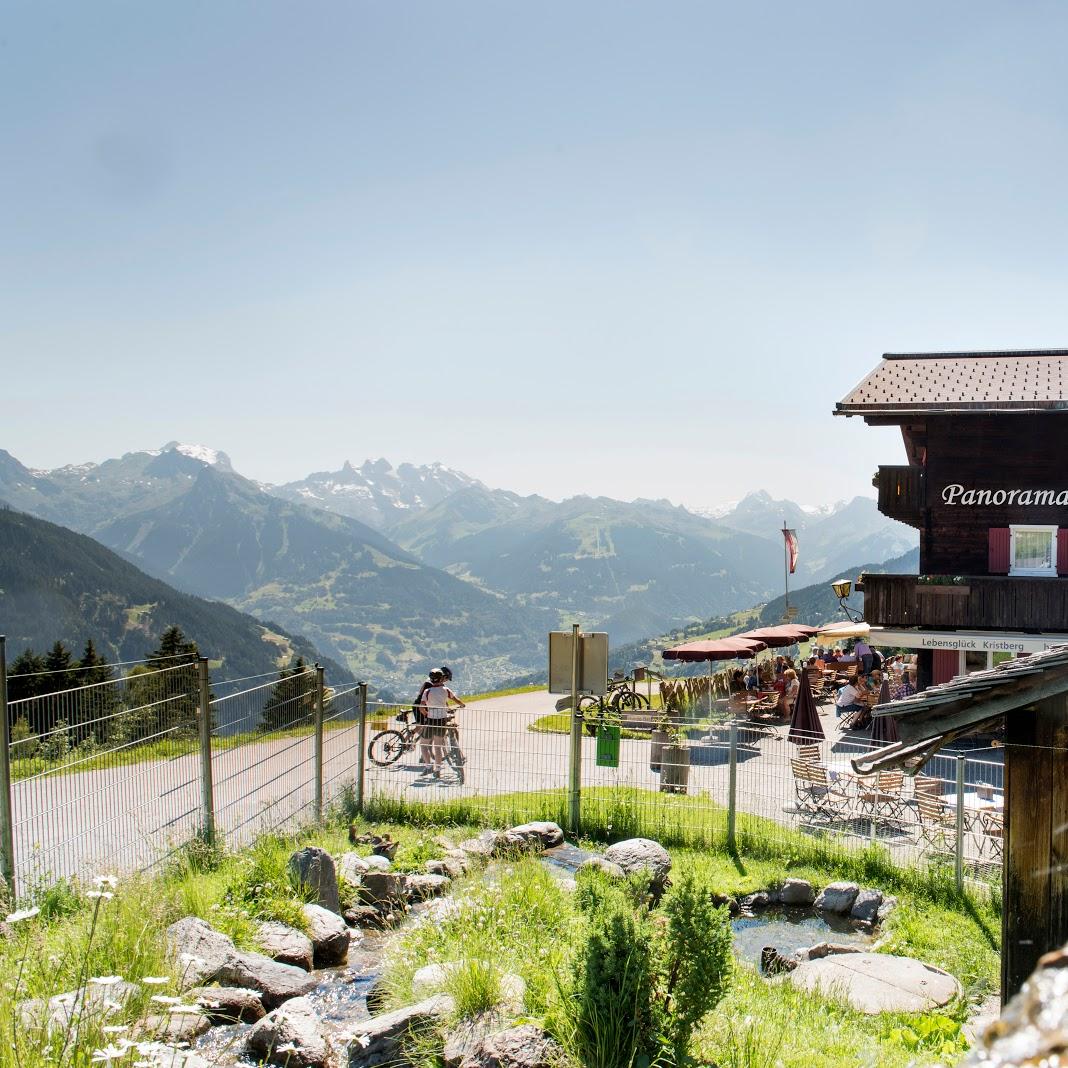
[902, 493]
[984, 602]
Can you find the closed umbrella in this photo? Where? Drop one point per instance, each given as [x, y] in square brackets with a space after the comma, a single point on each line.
[884, 727]
[805, 726]
[736, 648]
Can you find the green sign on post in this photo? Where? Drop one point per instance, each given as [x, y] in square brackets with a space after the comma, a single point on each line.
[608, 745]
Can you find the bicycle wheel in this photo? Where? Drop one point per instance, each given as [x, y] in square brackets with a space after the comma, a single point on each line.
[387, 747]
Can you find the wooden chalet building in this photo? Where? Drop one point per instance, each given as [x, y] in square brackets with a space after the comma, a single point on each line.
[986, 485]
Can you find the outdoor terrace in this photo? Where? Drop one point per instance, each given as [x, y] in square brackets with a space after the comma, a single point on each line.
[990, 602]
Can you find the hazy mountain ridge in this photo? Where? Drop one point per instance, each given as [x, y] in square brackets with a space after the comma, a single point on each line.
[56, 585]
[376, 493]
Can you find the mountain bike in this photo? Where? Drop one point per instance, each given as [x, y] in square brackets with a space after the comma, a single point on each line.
[388, 746]
[621, 696]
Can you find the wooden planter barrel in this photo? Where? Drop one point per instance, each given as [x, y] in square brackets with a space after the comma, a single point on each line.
[657, 741]
[674, 769]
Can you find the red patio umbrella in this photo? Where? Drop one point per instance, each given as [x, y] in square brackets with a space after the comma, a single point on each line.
[884, 728]
[782, 635]
[735, 648]
[805, 726]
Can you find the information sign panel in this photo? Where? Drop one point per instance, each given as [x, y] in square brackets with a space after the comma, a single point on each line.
[592, 665]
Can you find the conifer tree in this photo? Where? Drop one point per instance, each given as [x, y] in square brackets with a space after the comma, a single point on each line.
[24, 677]
[292, 698]
[99, 698]
[176, 682]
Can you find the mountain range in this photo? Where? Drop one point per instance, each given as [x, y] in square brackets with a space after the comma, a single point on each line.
[393, 569]
[56, 585]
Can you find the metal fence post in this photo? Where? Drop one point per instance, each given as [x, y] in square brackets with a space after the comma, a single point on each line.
[207, 790]
[575, 762]
[320, 687]
[361, 745]
[7, 823]
[959, 858]
[732, 785]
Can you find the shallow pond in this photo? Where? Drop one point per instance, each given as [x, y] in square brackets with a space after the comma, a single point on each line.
[791, 929]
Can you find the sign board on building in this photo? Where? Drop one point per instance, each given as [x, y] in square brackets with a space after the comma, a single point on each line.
[592, 666]
[963, 641]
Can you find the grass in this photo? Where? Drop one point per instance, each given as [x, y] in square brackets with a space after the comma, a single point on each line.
[525, 922]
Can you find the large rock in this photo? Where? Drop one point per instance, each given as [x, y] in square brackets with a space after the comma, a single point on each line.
[228, 1004]
[547, 834]
[837, 897]
[797, 892]
[641, 854]
[329, 936]
[203, 954]
[878, 982]
[450, 867]
[866, 906]
[95, 1001]
[527, 1046]
[285, 944]
[174, 1028]
[352, 867]
[613, 871]
[383, 888]
[465, 1037]
[421, 887]
[313, 869]
[377, 863]
[290, 1036]
[380, 1040]
[276, 982]
[199, 952]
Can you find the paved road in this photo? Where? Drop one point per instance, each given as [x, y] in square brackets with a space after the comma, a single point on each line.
[133, 817]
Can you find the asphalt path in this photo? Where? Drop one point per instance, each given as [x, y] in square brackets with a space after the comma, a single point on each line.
[134, 817]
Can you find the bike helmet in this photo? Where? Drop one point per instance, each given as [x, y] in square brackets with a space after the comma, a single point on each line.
[437, 675]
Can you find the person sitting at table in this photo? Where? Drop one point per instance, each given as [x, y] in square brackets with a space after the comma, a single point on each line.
[752, 677]
[780, 665]
[848, 699]
[906, 687]
[793, 688]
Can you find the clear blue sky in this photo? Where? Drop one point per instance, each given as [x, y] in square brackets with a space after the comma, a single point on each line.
[619, 248]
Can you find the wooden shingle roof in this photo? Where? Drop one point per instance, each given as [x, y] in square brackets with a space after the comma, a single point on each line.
[926, 721]
[1021, 380]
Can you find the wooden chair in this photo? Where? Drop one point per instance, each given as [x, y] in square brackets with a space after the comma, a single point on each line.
[881, 798]
[938, 823]
[992, 822]
[815, 792]
[810, 754]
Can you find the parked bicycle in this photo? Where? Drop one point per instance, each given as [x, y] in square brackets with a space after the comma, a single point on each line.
[388, 746]
[621, 696]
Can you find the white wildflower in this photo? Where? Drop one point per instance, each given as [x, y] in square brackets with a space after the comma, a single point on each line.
[99, 895]
[193, 960]
[185, 1010]
[165, 999]
[106, 980]
[105, 882]
[22, 914]
[108, 1054]
[286, 1047]
[155, 980]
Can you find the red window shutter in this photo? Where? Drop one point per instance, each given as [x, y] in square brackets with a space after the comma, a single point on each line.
[946, 665]
[1062, 552]
[998, 558]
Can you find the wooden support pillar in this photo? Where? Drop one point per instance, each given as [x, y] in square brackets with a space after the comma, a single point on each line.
[1035, 902]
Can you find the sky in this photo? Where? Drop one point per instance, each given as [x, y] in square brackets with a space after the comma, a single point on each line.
[631, 249]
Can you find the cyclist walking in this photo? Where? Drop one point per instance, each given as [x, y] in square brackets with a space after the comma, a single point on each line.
[435, 699]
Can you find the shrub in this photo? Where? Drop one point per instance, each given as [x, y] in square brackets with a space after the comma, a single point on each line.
[694, 960]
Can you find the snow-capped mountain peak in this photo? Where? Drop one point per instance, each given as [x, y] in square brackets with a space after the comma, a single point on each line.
[206, 455]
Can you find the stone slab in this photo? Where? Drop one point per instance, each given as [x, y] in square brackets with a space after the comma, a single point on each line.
[878, 982]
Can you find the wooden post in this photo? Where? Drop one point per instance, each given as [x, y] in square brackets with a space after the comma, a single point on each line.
[1035, 899]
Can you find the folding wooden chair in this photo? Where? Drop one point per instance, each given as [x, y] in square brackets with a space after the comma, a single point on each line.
[938, 823]
[881, 798]
[816, 793]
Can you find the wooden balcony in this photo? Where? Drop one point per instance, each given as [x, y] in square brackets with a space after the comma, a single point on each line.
[988, 602]
[902, 493]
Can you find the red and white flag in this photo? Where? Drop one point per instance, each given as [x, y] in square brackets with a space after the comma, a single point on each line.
[791, 547]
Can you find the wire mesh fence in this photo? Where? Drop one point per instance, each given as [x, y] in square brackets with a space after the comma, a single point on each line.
[118, 773]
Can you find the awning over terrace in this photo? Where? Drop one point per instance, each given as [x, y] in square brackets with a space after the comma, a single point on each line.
[927, 721]
[736, 648]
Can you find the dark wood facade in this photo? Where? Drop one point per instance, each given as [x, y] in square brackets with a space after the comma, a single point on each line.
[1027, 604]
[993, 451]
